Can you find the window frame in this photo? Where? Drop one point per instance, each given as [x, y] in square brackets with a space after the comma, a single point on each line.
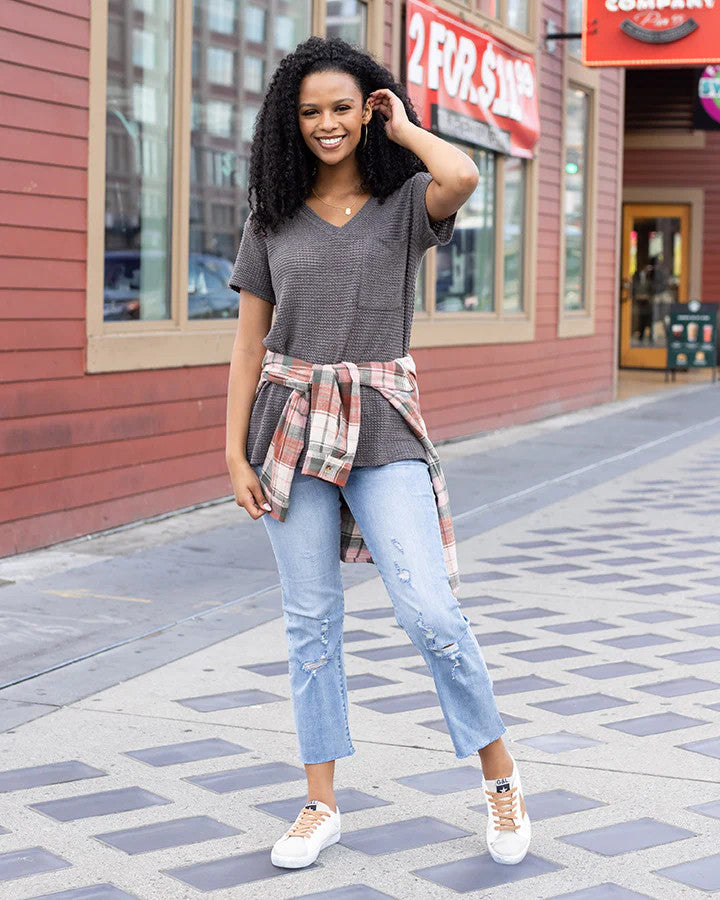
[580, 322]
[176, 341]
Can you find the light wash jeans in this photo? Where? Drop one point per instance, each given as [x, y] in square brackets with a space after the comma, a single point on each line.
[394, 506]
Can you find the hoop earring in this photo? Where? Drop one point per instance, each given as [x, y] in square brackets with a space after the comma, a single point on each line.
[366, 134]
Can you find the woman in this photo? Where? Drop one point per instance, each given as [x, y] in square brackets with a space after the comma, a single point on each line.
[349, 193]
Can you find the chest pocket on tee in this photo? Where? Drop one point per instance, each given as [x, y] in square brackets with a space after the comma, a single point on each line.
[382, 282]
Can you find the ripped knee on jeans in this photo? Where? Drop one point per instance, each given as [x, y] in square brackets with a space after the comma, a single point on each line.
[313, 665]
[449, 651]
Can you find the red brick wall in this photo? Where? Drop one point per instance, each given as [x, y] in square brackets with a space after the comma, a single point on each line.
[687, 169]
[80, 453]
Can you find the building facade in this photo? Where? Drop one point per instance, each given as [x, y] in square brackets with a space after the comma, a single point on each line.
[126, 132]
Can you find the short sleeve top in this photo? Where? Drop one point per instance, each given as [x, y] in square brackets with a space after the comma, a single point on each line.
[342, 293]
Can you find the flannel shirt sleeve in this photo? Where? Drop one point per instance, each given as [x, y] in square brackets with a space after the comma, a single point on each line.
[251, 271]
[426, 233]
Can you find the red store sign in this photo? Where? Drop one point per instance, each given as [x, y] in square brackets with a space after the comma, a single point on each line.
[651, 32]
[468, 85]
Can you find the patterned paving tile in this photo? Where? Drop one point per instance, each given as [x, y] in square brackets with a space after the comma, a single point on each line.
[634, 641]
[349, 892]
[660, 588]
[189, 751]
[708, 747]
[402, 702]
[657, 723]
[348, 800]
[103, 803]
[694, 657]
[606, 891]
[705, 630]
[557, 529]
[627, 561]
[477, 872]
[654, 616]
[359, 634]
[674, 570]
[522, 683]
[556, 568]
[571, 552]
[481, 600]
[366, 680]
[403, 835]
[91, 892]
[377, 612]
[559, 742]
[546, 654]
[489, 638]
[269, 668]
[230, 700]
[605, 578]
[627, 837]
[161, 835]
[612, 670]
[396, 651]
[550, 804]
[487, 576]
[518, 615]
[508, 560]
[441, 724]
[711, 809]
[584, 627]
[33, 861]
[534, 545]
[445, 781]
[572, 706]
[679, 687]
[230, 871]
[703, 874]
[53, 773]
[250, 776]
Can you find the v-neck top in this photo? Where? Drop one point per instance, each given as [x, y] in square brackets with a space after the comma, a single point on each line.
[342, 293]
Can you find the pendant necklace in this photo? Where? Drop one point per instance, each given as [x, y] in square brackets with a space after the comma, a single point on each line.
[348, 209]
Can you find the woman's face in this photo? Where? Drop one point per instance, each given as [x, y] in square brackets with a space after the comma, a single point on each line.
[331, 115]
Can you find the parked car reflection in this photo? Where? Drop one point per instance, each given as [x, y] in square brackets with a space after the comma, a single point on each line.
[209, 297]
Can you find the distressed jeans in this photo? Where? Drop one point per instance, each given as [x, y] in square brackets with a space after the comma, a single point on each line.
[394, 506]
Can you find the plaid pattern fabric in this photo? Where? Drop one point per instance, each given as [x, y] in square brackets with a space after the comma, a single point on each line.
[330, 396]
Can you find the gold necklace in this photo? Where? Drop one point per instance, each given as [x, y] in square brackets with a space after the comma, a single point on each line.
[348, 209]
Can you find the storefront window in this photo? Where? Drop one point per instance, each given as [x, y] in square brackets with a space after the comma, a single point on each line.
[574, 25]
[466, 266]
[517, 14]
[514, 227]
[347, 19]
[576, 185]
[138, 161]
[228, 80]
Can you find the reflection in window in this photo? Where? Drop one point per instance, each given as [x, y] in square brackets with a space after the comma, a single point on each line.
[517, 14]
[514, 231]
[466, 266]
[576, 184]
[228, 81]
[138, 141]
[347, 19]
[574, 26]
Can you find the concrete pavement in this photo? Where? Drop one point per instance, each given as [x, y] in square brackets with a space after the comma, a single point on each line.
[591, 576]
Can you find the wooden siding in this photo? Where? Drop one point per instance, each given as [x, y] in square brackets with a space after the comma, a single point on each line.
[686, 168]
[80, 453]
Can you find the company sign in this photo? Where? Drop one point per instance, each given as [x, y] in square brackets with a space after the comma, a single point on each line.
[469, 86]
[651, 32]
[707, 107]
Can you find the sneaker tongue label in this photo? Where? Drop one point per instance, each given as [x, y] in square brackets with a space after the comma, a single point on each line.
[502, 785]
[312, 805]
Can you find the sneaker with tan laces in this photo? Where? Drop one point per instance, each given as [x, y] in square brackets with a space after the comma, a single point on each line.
[508, 826]
[315, 828]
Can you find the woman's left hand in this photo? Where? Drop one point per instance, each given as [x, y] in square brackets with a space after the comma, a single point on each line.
[391, 108]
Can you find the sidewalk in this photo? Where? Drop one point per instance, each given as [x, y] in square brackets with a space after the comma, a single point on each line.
[595, 595]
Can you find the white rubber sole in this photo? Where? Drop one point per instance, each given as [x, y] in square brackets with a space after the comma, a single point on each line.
[511, 860]
[299, 862]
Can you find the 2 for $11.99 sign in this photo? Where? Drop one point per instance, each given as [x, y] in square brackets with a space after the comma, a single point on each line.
[468, 85]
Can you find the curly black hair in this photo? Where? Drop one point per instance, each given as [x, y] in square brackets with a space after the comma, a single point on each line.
[281, 165]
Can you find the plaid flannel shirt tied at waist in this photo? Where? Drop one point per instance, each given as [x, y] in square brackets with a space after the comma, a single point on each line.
[330, 395]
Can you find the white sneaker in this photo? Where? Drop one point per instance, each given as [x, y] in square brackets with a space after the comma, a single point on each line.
[315, 828]
[508, 826]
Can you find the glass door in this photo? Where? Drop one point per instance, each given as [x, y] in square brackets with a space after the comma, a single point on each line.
[655, 260]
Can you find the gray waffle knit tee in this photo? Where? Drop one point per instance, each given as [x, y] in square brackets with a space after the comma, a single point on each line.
[342, 293]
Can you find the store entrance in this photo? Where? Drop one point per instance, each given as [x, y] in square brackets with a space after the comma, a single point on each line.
[655, 269]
